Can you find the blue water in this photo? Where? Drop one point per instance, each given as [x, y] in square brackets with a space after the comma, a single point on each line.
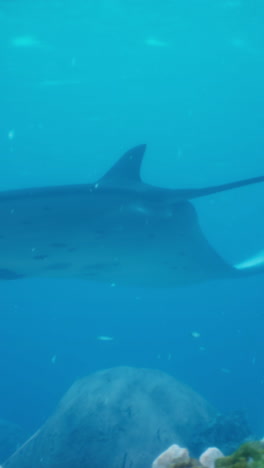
[83, 81]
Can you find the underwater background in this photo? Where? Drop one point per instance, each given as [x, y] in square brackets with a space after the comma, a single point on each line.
[80, 83]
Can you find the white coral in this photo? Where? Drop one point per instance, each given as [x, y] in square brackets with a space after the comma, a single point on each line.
[174, 454]
[207, 459]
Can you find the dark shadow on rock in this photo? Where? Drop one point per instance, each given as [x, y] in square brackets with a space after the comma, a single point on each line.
[226, 432]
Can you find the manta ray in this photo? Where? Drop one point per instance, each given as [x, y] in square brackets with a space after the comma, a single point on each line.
[119, 230]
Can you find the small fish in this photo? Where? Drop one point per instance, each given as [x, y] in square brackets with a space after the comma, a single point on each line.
[104, 338]
[25, 42]
[196, 334]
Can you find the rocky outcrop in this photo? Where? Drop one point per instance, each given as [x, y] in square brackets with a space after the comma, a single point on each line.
[11, 437]
[116, 418]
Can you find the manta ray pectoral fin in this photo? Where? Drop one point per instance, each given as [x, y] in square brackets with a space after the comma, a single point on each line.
[196, 193]
[255, 264]
[252, 265]
[127, 168]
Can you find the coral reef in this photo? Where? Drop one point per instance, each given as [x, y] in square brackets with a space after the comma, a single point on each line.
[178, 457]
[249, 455]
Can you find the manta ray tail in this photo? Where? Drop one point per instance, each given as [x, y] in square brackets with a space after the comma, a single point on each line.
[252, 265]
[196, 193]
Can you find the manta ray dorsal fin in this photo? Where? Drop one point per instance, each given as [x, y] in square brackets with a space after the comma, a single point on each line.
[127, 168]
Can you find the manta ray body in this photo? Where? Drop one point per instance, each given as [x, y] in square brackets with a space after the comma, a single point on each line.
[119, 230]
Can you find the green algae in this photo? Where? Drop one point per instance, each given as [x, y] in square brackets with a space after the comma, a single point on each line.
[249, 455]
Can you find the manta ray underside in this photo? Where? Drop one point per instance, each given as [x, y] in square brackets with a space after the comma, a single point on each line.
[119, 230]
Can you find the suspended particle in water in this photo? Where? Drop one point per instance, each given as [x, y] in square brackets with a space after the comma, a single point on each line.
[153, 42]
[196, 334]
[11, 134]
[54, 359]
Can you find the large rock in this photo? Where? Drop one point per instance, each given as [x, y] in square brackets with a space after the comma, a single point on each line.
[11, 437]
[116, 418]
